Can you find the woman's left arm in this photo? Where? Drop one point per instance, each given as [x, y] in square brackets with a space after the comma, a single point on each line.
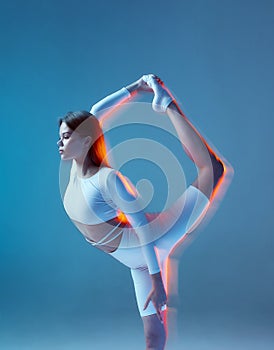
[126, 198]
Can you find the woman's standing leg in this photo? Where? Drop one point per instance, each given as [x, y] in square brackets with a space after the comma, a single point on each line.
[155, 331]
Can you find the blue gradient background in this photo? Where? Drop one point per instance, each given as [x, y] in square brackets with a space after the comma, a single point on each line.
[57, 292]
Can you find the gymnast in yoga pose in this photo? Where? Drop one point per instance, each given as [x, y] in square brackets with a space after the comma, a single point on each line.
[107, 208]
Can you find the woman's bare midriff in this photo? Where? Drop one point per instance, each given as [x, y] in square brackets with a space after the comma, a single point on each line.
[95, 233]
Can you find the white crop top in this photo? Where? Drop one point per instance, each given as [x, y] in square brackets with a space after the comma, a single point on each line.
[87, 200]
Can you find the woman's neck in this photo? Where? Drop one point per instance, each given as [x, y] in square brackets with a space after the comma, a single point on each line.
[85, 168]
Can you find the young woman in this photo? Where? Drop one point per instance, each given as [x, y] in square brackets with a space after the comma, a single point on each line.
[107, 208]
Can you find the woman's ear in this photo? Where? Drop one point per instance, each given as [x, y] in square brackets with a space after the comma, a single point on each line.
[87, 141]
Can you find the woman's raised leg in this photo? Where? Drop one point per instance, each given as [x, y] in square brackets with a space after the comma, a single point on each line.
[210, 167]
[211, 173]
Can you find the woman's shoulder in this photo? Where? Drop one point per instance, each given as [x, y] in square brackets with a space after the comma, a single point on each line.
[106, 170]
[110, 173]
[115, 180]
[104, 176]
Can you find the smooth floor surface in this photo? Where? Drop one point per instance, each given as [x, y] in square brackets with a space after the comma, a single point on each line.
[194, 333]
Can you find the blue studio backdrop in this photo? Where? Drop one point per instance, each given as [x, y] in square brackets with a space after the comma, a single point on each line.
[58, 292]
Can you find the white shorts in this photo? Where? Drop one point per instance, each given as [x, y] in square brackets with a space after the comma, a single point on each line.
[172, 224]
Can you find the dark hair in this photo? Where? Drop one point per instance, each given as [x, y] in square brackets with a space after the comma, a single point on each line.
[88, 125]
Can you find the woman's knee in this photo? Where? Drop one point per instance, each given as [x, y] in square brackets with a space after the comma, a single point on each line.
[155, 333]
[218, 171]
[155, 340]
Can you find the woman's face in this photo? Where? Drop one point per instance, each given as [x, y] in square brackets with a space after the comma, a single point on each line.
[71, 144]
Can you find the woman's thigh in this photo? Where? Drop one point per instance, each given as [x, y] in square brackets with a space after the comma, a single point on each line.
[167, 229]
[143, 286]
[171, 225]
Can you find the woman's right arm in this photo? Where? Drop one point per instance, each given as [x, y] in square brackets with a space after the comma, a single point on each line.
[107, 105]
